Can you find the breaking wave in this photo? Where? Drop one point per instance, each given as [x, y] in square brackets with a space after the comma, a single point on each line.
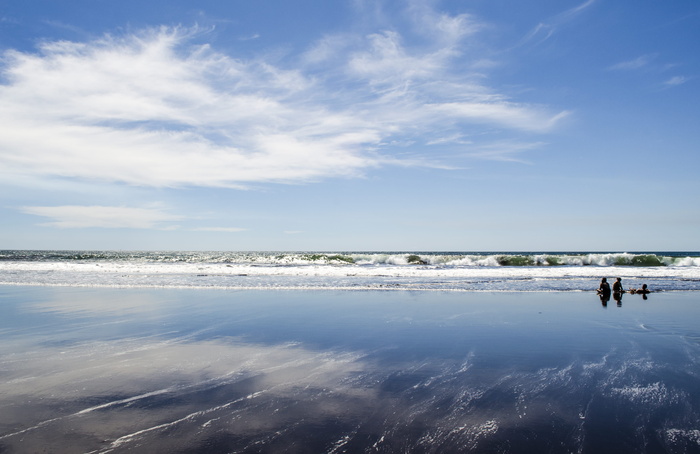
[450, 271]
[644, 259]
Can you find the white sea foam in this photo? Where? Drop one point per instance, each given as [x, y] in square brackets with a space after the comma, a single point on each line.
[425, 271]
[654, 394]
[678, 435]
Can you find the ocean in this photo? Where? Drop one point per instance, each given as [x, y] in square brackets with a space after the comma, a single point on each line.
[446, 271]
[381, 352]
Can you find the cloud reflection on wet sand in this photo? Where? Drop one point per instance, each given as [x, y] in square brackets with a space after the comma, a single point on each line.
[167, 388]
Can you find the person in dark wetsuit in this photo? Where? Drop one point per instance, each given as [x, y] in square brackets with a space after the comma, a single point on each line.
[643, 291]
[617, 286]
[604, 288]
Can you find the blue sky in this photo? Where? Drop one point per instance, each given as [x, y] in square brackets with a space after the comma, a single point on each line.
[481, 125]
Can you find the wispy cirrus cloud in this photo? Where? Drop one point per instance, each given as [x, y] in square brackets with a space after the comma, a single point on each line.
[115, 217]
[637, 63]
[75, 216]
[676, 80]
[220, 229]
[154, 109]
[648, 63]
[546, 29]
[504, 151]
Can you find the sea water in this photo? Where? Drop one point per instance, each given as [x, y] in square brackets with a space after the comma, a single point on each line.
[329, 353]
[533, 271]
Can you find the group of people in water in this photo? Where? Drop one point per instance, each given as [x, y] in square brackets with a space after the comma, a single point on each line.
[617, 290]
[617, 287]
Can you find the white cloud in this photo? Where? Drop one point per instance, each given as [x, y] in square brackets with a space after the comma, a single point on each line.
[73, 216]
[449, 30]
[637, 63]
[646, 62]
[220, 229]
[544, 30]
[504, 151]
[573, 12]
[151, 109]
[250, 37]
[134, 110]
[501, 113]
[676, 80]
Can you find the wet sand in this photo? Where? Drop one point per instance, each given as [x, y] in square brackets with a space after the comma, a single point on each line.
[136, 370]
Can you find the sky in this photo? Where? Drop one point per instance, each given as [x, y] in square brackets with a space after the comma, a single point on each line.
[350, 125]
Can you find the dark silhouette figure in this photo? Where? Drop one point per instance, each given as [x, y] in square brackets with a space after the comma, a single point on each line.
[642, 291]
[617, 286]
[604, 287]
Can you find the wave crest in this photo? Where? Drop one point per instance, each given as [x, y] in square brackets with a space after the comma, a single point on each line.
[437, 259]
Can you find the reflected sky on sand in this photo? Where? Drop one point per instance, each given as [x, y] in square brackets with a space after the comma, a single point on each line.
[134, 370]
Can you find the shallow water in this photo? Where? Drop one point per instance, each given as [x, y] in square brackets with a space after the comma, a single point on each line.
[143, 370]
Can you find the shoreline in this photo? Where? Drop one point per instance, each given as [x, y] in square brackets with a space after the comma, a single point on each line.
[322, 288]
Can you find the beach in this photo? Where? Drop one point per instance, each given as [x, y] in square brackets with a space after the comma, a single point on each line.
[398, 227]
[214, 370]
